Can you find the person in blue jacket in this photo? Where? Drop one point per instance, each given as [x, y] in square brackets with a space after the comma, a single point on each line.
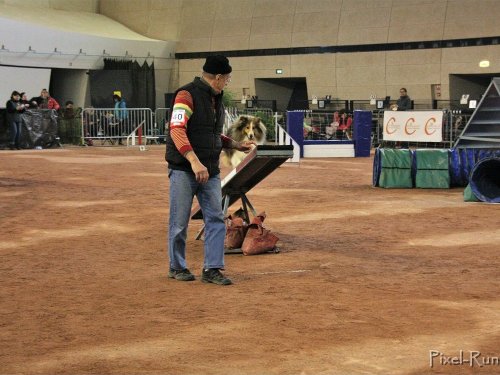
[121, 116]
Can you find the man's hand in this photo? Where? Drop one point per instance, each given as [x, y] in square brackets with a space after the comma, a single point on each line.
[200, 171]
[245, 146]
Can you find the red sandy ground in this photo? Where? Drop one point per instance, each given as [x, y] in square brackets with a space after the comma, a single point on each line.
[368, 281]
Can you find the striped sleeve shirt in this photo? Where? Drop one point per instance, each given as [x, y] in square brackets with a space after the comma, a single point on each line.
[181, 112]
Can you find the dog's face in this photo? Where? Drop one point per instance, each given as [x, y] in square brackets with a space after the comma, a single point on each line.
[248, 128]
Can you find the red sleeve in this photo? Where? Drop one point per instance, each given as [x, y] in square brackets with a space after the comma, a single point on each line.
[181, 112]
[181, 140]
[226, 141]
[53, 104]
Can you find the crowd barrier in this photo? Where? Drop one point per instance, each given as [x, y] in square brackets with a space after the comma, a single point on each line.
[453, 123]
[275, 132]
[113, 126]
[358, 144]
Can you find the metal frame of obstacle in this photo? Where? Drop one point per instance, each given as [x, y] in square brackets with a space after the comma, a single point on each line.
[483, 128]
[256, 166]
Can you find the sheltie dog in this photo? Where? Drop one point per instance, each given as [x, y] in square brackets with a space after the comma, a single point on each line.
[245, 128]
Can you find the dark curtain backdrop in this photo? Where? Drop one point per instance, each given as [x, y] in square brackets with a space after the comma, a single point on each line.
[136, 82]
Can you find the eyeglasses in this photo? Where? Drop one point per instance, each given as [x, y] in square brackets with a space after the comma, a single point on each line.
[226, 78]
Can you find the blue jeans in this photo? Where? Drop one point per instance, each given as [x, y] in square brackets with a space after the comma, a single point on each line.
[183, 188]
[15, 132]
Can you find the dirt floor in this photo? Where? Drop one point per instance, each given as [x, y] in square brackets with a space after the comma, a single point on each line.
[369, 281]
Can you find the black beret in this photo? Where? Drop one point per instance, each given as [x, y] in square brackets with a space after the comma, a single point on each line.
[217, 64]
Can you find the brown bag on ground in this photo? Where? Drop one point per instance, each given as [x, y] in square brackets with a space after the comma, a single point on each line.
[236, 229]
[258, 239]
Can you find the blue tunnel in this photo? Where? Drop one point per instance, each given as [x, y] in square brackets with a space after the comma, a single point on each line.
[485, 180]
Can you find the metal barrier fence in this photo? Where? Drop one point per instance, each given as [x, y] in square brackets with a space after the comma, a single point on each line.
[318, 125]
[454, 122]
[101, 126]
[113, 126]
[351, 105]
[265, 114]
[275, 132]
[161, 120]
[254, 104]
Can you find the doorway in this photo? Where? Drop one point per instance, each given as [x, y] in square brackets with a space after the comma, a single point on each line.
[473, 85]
[289, 93]
[70, 84]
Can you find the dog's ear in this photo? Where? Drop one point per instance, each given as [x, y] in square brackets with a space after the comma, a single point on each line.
[257, 120]
[242, 122]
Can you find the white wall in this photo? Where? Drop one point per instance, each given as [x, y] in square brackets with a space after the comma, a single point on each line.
[43, 41]
[17, 36]
[28, 80]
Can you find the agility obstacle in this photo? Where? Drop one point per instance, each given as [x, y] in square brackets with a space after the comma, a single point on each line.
[483, 128]
[485, 180]
[358, 146]
[474, 161]
[440, 169]
[257, 165]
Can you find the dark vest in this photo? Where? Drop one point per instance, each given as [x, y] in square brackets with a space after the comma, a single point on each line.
[12, 113]
[204, 130]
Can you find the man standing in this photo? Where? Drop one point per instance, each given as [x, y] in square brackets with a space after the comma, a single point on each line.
[404, 101]
[194, 143]
[48, 102]
[121, 118]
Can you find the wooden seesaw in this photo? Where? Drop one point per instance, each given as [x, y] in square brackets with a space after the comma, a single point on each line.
[257, 165]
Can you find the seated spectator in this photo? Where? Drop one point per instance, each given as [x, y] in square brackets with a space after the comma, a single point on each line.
[344, 129]
[47, 102]
[331, 130]
[91, 126]
[308, 129]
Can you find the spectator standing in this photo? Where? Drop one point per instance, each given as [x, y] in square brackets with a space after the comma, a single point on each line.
[69, 125]
[69, 110]
[121, 116]
[404, 101]
[24, 100]
[120, 106]
[47, 102]
[403, 104]
[194, 143]
[14, 110]
[35, 102]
